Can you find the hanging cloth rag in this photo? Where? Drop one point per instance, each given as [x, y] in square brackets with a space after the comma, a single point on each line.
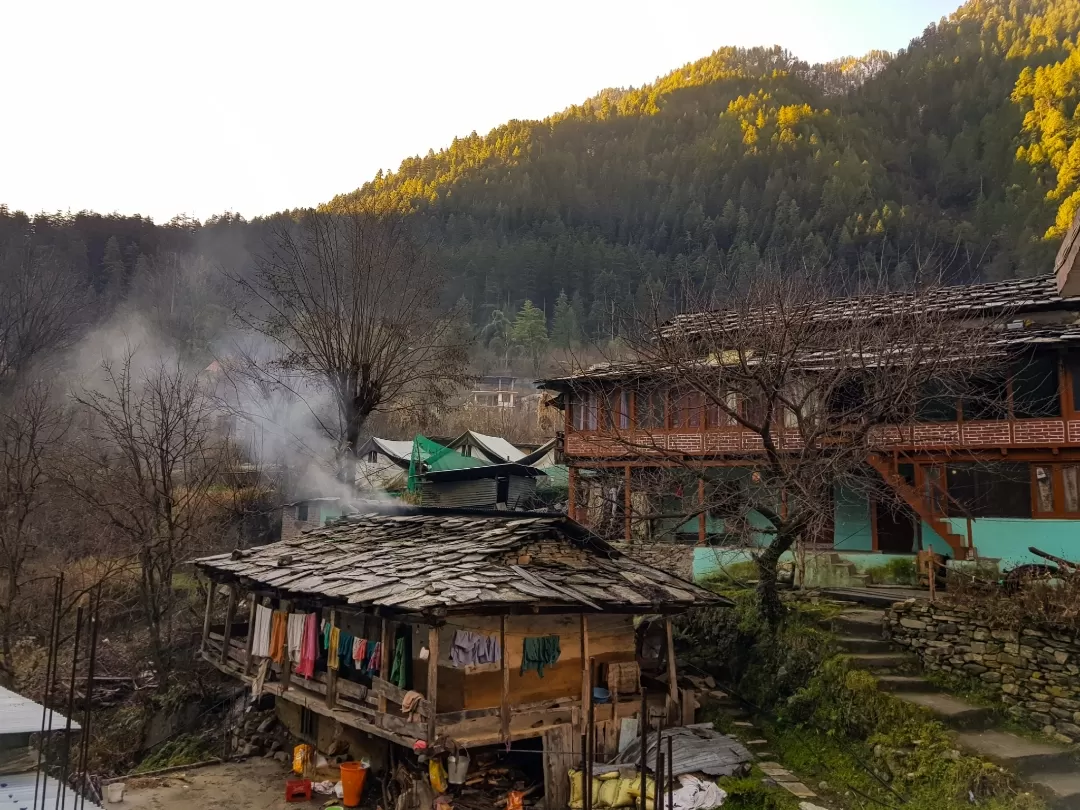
[309, 647]
[260, 645]
[358, 650]
[278, 629]
[325, 635]
[374, 663]
[344, 649]
[397, 670]
[469, 648]
[294, 635]
[410, 704]
[539, 652]
[332, 659]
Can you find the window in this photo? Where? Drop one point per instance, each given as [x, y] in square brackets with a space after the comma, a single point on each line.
[302, 511]
[583, 412]
[985, 397]
[1070, 475]
[651, 409]
[715, 416]
[618, 410]
[937, 403]
[373, 456]
[688, 410]
[990, 489]
[1044, 488]
[1035, 386]
[467, 451]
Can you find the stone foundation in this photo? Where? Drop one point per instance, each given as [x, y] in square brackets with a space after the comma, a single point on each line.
[674, 558]
[1036, 671]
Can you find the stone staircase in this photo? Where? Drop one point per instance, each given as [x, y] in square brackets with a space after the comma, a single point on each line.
[1051, 770]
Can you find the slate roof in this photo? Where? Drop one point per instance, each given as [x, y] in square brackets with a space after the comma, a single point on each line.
[462, 561]
[1015, 295]
[21, 715]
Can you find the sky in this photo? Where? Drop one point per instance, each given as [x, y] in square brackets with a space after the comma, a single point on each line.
[161, 108]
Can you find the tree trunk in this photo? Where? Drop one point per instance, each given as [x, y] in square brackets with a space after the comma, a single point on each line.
[772, 609]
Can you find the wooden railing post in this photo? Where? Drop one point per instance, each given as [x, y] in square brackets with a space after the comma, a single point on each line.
[432, 682]
[210, 591]
[226, 634]
[252, 605]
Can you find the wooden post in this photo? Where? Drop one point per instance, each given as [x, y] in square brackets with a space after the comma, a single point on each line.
[571, 491]
[384, 664]
[673, 686]
[286, 664]
[701, 515]
[251, 634]
[432, 682]
[332, 674]
[590, 740]
[504, 702]
[226, 634]
[210, 591]
[628, 506]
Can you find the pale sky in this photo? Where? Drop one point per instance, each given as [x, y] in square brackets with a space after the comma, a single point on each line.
[161, 107]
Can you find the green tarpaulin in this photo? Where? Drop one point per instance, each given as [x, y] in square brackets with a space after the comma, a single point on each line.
[428, 455]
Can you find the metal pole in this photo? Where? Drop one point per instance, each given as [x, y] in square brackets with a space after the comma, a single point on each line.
[46, 715]
[590, 742]
[60, 793]
[644, 744]
[658, 772]
[671, 773]
[84, 754]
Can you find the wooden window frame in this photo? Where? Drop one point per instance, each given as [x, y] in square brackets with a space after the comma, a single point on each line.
[1057, 481]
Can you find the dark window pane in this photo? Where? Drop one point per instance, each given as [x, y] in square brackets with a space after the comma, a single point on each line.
[937, 403]
[1035, 386]
[301, 514]
[1074, 373]
[650, 409]
[992, 489]
[986, 398]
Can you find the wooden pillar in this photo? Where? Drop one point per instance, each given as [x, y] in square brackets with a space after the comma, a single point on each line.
[673, 686]
[701, 516]
[332, 674]
[571, 490]
[628, 506]
[226, 633]
[210, 592]
[504, 698]
[384, 664]
[252, 604]
[432, 682]
[286, 663]
[586, 689]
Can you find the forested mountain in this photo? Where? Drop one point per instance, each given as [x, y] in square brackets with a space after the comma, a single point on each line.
[959, 154]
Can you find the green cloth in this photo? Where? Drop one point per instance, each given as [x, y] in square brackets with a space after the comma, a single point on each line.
[397, 670]
[539, 652]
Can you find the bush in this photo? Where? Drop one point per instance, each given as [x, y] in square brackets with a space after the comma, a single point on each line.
[894, 572]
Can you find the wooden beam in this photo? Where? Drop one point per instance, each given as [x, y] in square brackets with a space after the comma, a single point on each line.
[432, 681]
[504, 698]
[673, 686]
[230, 610]
[384, 664]
[701, 515]
[332, 674]
[286, 662]
[248, 662]
[210, 591]
[628, 506]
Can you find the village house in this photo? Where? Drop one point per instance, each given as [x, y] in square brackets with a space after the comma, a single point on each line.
[452, 629]
[978, 477]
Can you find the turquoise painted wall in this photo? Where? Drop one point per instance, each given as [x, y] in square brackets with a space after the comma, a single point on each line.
[1008, 538]
[852, 528]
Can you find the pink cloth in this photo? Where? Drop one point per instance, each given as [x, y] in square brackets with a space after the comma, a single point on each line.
[309, 647]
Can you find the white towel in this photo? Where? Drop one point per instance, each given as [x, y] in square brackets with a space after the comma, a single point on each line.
[264, 618]
[295, 635]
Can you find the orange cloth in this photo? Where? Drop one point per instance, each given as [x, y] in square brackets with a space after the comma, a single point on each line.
[278, 632]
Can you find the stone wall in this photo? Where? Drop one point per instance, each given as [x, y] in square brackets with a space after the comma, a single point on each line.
[674, 558]
[1036, 671]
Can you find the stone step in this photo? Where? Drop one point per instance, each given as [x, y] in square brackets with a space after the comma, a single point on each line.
[854, 644]
[860, 623]
[905, 683]
[880, 660]
[950, 710]
[1060, 790]
[1018, 754]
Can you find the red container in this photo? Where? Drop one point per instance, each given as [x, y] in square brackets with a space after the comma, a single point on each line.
[298, 790]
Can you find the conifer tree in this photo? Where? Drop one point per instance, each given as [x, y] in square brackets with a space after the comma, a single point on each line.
[565, 329]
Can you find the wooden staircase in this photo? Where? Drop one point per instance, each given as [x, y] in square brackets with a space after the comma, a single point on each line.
[926, 508]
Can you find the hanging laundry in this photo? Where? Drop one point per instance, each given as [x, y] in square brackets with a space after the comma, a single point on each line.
[309, 646]
[374, 663]
[325, 635]
[469, 648]
[260, 644]
[359, 649]
[332, 658]
[344, 649]
[279, 625]
[539, 652]
[397, 670]
[295, 635]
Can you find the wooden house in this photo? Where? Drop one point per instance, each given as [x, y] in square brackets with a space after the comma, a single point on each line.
[416, 580]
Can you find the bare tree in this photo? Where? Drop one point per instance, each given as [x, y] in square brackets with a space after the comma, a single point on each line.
[42, 304]
[810, 388]
[146, 466]
[351, 303]
[32, 431]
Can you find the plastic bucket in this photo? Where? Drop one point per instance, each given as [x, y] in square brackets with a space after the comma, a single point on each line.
[457, 768]
[114, 792]
[352, 783]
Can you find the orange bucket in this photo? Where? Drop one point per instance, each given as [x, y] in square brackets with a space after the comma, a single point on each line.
[352, 783]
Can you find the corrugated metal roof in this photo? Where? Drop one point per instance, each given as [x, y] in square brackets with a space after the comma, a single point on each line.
[20, 715]
[17, 793]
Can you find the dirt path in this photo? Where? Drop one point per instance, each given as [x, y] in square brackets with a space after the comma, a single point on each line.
[257, 784]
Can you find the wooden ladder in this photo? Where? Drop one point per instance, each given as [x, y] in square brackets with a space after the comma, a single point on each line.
[923, 506]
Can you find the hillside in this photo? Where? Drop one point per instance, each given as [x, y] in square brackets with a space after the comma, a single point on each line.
[959, 152]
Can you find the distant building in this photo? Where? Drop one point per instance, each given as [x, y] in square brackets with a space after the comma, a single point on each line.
[497, 391]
